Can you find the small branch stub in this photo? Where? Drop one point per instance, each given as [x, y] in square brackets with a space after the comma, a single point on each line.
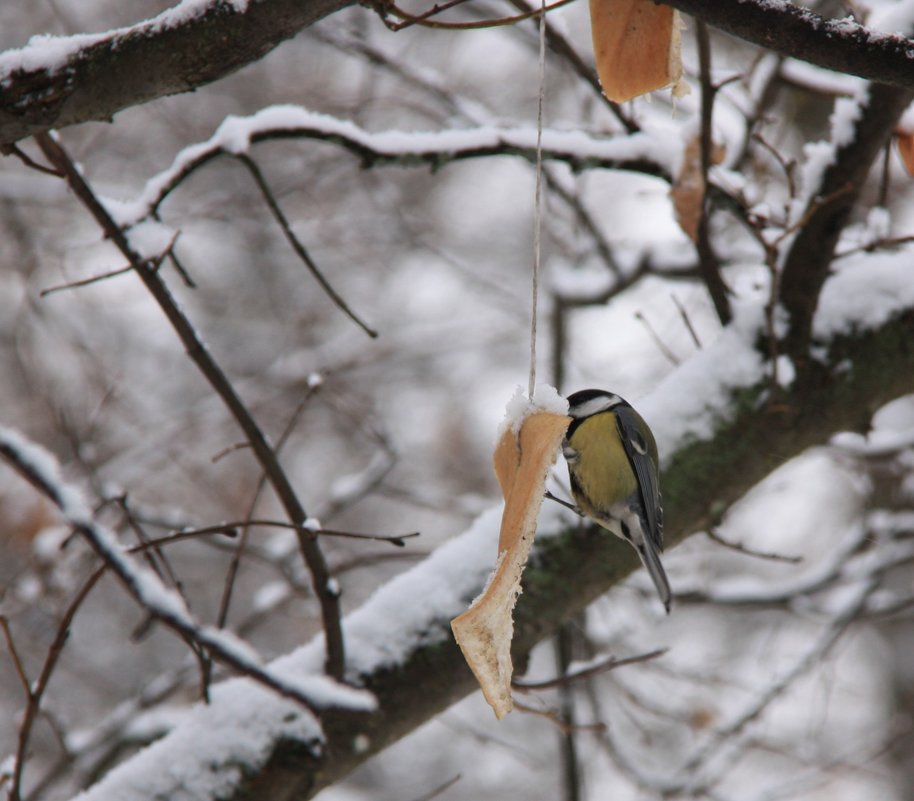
[522, 459]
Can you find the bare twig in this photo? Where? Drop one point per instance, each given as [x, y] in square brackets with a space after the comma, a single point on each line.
[440, 789]
[661, 345]
[155, 544]
[36, 692]
[26, 159]
[753, 710]
[387, 7]
[602, 666]
[92, 279]
[181, 536]
[224, 528]
[565, 641]
[685, 319]
[788, 166]
[151, 552]
[238, 553]
[14, 655]
[586, 221]
[197, 350]
[708, 262]
[296, 243]
[553, 717]
[886, 242]
[712, 535]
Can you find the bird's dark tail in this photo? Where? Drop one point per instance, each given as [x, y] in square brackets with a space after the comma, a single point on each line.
[651, 561]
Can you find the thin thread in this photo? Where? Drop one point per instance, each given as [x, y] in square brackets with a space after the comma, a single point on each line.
[537, 199]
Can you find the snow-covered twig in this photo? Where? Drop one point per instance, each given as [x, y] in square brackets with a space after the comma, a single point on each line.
[648, 153]
[40, 469]
[56, 81]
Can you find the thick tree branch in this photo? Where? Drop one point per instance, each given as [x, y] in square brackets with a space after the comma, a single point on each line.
[163, 56]
[809, 259]
[839, 45]
[742, 452]
[169, 55]
[568, 572]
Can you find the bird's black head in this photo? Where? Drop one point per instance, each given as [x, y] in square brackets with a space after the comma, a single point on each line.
[587, 402]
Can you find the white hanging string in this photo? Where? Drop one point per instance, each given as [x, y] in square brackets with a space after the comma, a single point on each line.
[538, 199]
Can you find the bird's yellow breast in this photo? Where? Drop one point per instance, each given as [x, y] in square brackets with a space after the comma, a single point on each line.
[602, 470]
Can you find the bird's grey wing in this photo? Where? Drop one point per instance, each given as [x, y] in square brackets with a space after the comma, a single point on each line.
[636, 448]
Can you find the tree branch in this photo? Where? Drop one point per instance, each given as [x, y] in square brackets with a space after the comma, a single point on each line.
[435, 149]
[148, 591]
[199, 353]
[708, 262]
[109, 72]
[173, 53]
[296, 244]
[839, 45]
[749, 441]
[811, 253]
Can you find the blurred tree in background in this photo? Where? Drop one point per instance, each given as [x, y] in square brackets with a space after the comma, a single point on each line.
[266, 292]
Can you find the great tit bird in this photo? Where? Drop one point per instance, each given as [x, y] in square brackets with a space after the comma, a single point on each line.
[613, 467]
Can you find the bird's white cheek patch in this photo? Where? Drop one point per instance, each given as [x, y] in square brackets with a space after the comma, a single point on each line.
[603, 403]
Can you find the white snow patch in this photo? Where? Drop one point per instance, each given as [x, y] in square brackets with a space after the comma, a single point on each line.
[691, 401]
[864, 291]
[43, 465]
[545, 399]
[787, 372]
[269, 596]
[52, 53]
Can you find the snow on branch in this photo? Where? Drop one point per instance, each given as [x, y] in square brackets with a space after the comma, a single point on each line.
[842, 45]
[54, 81]
[833, 180]
[242, 723]
[40, 468]
[652, 153]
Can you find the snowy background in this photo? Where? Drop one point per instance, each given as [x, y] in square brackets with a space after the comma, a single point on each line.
[782, 677]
